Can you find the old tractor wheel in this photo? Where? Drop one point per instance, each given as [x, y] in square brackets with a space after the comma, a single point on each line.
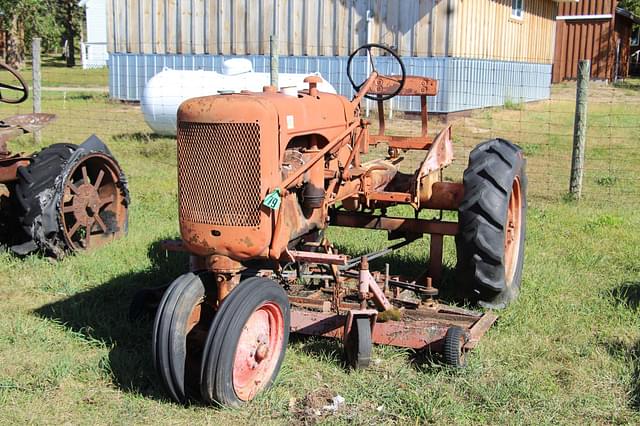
[246, 343]
[492, 220]
[36, 179]
[182, 320]
[453, 350]
[358, 346]
[93, 209]
[71, 199]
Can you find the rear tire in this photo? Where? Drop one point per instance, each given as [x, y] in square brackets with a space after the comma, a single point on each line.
[492, 219]
[71, 198]
[37, 181]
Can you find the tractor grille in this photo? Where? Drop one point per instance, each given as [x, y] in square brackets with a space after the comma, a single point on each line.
[219, 173]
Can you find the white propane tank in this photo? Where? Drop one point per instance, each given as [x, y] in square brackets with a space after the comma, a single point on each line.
[165, 91]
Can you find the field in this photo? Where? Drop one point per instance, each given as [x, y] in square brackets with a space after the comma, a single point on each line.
[567, 352]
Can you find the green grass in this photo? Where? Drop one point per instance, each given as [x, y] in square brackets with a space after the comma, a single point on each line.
[55, 73]
[568, 351]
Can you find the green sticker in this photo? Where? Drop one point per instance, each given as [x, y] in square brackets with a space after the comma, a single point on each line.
[273, 200]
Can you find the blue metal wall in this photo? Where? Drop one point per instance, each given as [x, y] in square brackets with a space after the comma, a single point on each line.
[464, 83]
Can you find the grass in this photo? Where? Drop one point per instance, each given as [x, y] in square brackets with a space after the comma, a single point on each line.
[55, 73]
[568, 351]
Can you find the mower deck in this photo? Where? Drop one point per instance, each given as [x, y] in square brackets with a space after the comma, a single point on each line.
[419, 329]
[407, 322]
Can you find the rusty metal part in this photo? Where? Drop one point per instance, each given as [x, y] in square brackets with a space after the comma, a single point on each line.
[93, 208]
[18, 125]
[316, 257]
[424, 331]
[444, 196]
[429, 289]
[376, 254]
[405, 225]
[9, 167]
[413, 86]
[222, 264]
[369, 285]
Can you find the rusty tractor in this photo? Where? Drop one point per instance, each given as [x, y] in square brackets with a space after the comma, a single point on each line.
[261, 175]
[62, 199]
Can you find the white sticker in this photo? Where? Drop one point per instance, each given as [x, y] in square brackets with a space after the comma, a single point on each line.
[290, 123]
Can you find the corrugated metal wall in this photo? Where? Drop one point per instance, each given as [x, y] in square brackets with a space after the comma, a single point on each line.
[464, 83]
[585, 39]
[462, 28]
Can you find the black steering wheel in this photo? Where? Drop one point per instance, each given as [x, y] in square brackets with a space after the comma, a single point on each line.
[22, 89]
[368, 48]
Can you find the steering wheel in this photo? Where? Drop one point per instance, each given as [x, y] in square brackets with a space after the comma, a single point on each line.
[368, 48]
[23, 89]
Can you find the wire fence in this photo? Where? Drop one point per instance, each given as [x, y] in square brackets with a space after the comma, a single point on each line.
[481, 99]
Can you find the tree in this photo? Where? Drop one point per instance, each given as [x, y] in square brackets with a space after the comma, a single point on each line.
[15, 16]
[25, 19]
[69, 15]
[632, 6]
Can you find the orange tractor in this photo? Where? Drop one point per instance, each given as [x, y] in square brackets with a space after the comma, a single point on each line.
[62, 199]
[261, 175]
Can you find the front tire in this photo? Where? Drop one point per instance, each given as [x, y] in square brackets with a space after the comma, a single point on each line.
[246, 344]
[492, 219]
[182, 319]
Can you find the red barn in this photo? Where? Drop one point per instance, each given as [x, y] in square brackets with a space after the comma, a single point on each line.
[596, 30]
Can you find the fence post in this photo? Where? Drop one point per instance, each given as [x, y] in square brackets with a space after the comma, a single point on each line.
[37, 87]
[580, 129]
[273, 55]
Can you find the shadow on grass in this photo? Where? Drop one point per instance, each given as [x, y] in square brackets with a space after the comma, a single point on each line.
[143, 137]
[634, 392]
[101, 314]
[629, 354]
[322, 348]
[627, 294]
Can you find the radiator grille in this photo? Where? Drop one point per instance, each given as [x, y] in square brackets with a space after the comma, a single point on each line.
[219, 173]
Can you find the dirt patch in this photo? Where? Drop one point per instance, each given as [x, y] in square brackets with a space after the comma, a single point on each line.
[314, 406]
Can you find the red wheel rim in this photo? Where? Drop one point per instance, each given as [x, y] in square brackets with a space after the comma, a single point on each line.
[258, 350]
[512, 231]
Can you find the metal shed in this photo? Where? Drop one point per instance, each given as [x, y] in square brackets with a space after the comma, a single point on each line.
[480, 51]
[94, 49]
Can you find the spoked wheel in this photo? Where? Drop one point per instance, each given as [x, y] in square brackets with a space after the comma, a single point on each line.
[180, 328]
[453, 351]
[71, 198]
[358, 345]
[246, 343]
[492, 220]
[93, 209]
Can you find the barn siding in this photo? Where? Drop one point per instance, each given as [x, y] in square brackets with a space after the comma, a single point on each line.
[585, 39]
[479, 29]
[486, 30]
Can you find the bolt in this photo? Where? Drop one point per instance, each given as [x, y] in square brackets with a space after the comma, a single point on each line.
[262, 351]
